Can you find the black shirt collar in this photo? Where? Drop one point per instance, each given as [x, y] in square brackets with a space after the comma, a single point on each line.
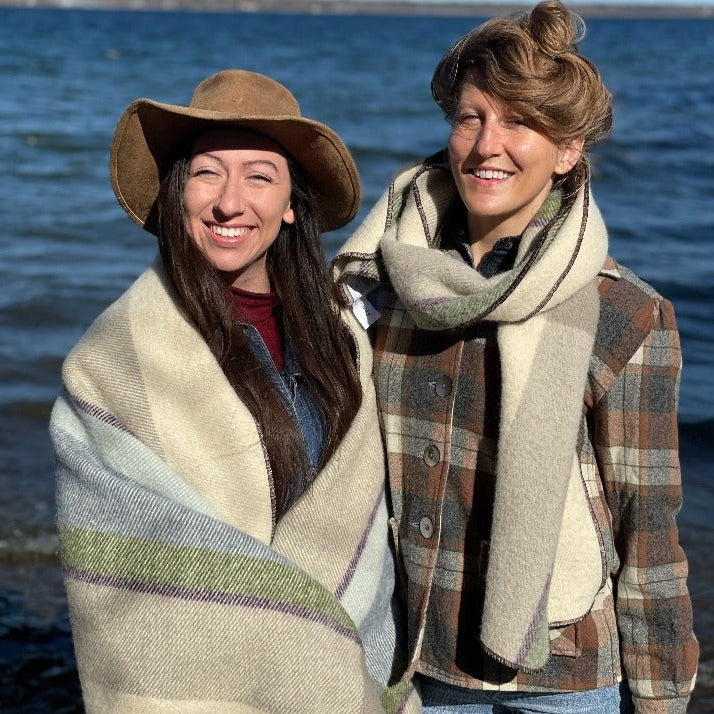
[454, 238]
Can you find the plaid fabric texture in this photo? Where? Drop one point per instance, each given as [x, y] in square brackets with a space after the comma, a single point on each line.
[439, 400]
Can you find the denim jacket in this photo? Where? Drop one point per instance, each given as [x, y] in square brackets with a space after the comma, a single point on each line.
[296, 397]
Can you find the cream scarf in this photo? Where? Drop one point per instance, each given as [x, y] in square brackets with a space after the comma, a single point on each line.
[547, 310]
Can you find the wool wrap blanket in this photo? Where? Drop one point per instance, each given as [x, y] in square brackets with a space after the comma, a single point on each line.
[184, 595]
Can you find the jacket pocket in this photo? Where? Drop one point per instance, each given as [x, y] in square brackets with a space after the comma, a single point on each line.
[565, 641]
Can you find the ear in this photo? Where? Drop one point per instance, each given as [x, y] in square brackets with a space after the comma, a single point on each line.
[568, 156]
[289, 215]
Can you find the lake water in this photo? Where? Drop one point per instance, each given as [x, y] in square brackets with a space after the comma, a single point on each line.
[67, 249]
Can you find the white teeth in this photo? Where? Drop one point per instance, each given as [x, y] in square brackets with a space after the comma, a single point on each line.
[229, 232]
[488, 174]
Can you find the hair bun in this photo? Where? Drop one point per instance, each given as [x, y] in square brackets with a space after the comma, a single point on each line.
[555, 29]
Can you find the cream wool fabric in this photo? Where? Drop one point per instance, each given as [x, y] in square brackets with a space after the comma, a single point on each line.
[183, 594]
[545, 563]
[194, 435]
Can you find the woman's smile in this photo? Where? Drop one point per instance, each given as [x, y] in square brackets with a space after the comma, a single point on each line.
[225, 232]
[491, 175]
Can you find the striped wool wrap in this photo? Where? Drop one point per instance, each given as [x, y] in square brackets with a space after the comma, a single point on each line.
[547, 309]
[184, 595]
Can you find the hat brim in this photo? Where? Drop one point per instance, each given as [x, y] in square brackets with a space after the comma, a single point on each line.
[149, 134]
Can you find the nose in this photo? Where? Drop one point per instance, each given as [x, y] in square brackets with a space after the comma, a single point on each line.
[488, 141]
[230, 200]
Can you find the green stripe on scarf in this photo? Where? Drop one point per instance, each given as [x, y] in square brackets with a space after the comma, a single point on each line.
[175, 566]
[394, 698]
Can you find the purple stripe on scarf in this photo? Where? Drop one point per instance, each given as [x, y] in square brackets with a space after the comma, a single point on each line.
[352, 567]
[98, 413]
[211, 596]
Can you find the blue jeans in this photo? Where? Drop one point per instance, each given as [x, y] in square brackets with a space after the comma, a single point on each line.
[440, 698]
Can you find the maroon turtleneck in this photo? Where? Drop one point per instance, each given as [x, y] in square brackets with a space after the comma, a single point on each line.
[261, 310]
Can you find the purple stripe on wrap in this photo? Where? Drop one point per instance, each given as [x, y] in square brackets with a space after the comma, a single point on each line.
[352, 567]
[98, 413]
[211, 596]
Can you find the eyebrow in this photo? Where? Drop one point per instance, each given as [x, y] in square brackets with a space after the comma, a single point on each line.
[267, 162]
[248, 163]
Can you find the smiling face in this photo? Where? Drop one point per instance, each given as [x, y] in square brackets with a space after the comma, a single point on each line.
[236, 198]
[503, 169]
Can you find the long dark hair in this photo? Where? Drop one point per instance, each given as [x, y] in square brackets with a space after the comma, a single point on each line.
[299, 274]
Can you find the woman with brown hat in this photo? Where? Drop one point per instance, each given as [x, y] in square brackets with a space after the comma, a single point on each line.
[221, 503]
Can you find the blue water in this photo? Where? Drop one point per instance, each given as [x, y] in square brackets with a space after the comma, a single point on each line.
[67, 249]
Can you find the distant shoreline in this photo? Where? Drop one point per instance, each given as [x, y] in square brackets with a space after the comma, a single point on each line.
[358, 7]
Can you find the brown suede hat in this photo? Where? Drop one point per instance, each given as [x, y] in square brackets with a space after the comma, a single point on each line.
[150, 134]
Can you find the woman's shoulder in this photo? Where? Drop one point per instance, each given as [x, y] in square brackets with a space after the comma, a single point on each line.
[139, 289]
[632, 314]
[146, 298]
[615, 275]
[143, 315]
[625, 298]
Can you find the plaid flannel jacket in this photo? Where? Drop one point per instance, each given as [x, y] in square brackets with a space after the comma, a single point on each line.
[439, 396]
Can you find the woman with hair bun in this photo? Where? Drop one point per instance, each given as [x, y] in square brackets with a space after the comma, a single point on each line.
[528, 388]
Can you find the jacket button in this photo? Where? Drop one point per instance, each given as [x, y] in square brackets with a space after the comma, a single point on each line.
[443, 386]
[431, 455]
[426, 527]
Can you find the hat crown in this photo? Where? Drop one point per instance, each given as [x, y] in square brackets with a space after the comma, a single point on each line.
[242, 93]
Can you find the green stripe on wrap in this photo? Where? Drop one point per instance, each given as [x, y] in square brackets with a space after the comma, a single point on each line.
[189, 568]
